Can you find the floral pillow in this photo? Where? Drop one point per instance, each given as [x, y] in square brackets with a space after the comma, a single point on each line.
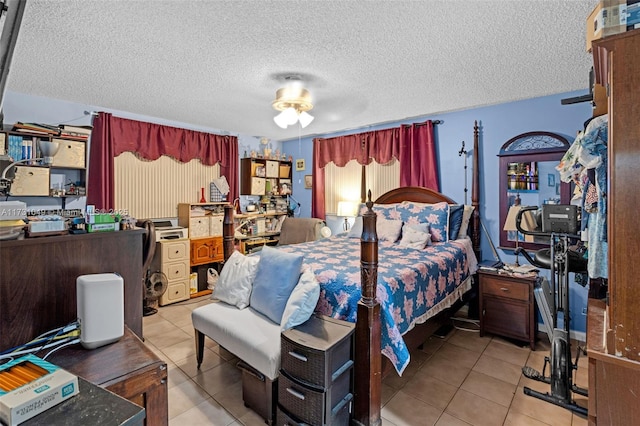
[385, 211]
[436, 215]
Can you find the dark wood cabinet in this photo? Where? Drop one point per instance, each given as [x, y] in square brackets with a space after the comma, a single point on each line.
[613, 329]
[316, 377]
[507, 306]
[38, 280]
[206, 250]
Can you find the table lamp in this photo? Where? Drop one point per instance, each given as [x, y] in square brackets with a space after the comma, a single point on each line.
[510, 225]
[347, 209]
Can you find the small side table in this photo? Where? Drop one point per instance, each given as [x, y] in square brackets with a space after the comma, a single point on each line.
[507, 305]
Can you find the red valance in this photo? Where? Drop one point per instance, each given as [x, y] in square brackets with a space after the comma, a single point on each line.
[111, 136]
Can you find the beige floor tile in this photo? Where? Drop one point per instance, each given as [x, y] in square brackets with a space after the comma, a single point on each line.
[175, 376]
[507, 352]
[448, 420]
[208, 412]
[469, 340]
[387, 393]
[218, 379]
[231, 400]
[489, 388]
[540, 410]
[184, 397]
[404, 410]
[431, 345]
[445, 370]
[465, 357]
[499, 369]
[181, 350]
[430, 390]
[517, 419]
[476, 410]
[485, 369]
[189, 365]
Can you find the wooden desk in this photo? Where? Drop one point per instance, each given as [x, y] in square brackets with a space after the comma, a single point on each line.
[127, 368]
[38, 280]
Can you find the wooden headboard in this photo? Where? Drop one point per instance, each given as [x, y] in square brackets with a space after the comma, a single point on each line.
[414, 194]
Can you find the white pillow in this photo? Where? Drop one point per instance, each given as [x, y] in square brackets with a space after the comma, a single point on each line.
[466, 216]
[236, 280]
[388, 230]
[356, 229]
[415, 235]
[302, 302]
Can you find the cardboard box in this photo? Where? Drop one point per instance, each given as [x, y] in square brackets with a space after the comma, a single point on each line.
[609, 17]
[44, 386]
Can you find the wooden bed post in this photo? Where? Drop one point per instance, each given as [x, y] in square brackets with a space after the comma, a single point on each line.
[368, 357]
[228, 231]
[475, 194]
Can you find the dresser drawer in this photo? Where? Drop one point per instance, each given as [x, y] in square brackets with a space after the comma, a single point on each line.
[176, 292]
[318, 351]
[177, 270]
[312, 405]
[504, 287]
[175, 250]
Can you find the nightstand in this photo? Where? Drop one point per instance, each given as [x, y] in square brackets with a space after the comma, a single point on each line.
[507, 305]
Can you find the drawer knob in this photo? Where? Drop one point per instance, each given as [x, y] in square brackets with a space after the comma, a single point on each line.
[298, 356]
[504, 289]
[296, 393]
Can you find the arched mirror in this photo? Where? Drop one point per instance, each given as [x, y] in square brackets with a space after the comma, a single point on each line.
[528, 177]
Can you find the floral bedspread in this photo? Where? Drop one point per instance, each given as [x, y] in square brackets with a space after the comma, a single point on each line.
[413, 285]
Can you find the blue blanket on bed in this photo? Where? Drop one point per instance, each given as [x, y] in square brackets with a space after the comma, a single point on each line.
[413, 285]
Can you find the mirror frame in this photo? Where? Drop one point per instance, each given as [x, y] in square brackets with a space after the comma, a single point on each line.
[524, 148]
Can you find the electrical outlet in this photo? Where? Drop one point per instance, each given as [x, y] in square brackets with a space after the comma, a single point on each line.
[584, 311]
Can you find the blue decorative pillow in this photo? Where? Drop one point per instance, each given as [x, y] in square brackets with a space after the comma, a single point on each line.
[277, 274]
[455, 220]
[437, 215]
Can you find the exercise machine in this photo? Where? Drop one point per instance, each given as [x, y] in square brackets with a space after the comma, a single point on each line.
[560, 260]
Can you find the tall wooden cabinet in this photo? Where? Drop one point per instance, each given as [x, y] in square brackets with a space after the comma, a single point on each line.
[614, 338]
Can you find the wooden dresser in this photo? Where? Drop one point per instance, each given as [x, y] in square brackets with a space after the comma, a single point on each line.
[316, 380]
[38, 280]
[127, 368]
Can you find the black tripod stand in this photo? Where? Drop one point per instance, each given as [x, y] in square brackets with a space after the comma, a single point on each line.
[561, 261]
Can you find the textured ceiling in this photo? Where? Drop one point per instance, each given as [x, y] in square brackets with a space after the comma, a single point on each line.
[219, 63]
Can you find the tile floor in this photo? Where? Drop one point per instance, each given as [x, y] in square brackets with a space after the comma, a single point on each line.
[462, 379]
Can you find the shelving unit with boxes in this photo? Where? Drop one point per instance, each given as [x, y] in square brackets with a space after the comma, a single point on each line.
[64, 178]
[269, 179]
[204, 224]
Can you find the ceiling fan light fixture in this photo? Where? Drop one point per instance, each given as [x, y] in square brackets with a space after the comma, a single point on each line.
[293, 101]
[305, 119]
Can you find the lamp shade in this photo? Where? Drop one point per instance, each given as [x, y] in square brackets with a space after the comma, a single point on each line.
[347, 208]
[305, 119]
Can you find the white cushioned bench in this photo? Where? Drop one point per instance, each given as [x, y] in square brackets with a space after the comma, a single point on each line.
[258, 298]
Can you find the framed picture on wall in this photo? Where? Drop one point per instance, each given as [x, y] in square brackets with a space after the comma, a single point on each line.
[308, 181]
[299, 164]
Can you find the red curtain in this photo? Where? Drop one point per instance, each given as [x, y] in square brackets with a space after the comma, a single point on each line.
[413, 145]
[111, 136]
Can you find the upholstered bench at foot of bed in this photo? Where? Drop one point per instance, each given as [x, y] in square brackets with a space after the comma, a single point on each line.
[251, 337]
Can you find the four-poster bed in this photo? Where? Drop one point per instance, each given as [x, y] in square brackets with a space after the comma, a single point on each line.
[369, 326]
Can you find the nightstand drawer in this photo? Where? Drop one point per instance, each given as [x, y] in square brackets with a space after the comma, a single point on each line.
[504, 287]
